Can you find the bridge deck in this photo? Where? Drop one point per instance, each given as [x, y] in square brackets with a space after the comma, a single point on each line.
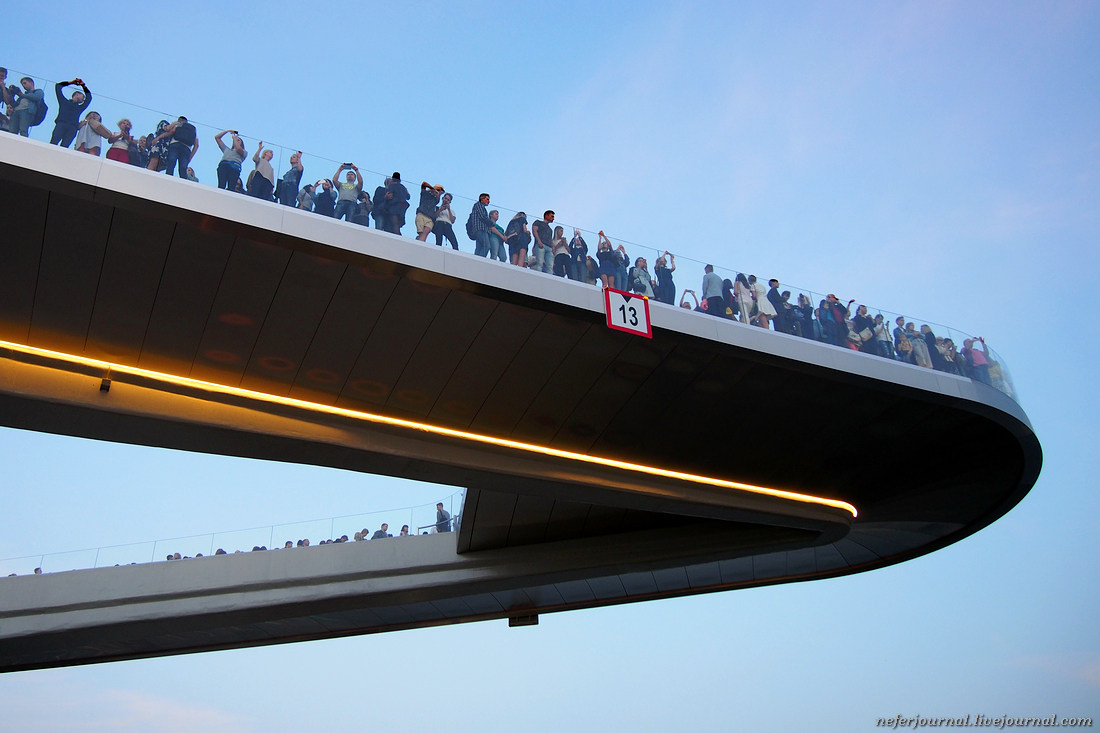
[231, 325]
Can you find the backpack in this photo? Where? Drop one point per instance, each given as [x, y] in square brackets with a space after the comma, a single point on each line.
[470, 227]
[40, 112]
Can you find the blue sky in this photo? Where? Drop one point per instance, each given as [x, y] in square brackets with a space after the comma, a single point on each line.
[937, 159]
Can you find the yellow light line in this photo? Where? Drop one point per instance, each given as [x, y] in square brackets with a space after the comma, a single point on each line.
[114, 369]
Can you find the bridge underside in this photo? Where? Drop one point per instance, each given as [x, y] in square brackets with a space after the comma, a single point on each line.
[226, 325]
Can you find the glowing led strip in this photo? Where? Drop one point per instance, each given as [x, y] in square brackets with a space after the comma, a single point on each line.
[424, 427]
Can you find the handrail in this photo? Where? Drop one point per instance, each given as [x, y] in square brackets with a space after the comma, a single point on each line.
[997, 374]
[207, 544]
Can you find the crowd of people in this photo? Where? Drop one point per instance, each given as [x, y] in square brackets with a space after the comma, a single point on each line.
[444, 522]
[747, 300]
[540, 245]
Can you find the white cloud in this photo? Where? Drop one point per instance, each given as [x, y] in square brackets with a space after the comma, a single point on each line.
[44, 702]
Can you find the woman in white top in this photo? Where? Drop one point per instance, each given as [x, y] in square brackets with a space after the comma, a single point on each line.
[743, 292]
[120, 142]
[765, 309]
[444, 219]
[559, 249]
[89, 134]
[261, 183]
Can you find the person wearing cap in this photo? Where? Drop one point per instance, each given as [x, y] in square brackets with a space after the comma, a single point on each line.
[427, 209]
[397, 203]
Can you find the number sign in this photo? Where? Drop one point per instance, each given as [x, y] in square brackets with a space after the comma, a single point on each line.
[627, 312]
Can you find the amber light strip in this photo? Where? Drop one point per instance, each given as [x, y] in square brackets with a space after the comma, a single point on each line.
[113, 369]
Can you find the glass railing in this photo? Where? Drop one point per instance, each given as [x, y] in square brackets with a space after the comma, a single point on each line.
[418, 520]
[316, 167]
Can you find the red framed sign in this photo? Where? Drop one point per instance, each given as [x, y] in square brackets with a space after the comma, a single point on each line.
[627, 312]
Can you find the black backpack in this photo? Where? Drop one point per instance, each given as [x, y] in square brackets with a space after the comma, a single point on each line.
[470, 232]
[40, 112]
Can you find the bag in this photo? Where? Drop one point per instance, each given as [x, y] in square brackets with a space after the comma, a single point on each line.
[470, 227]
[866, 335]
[39, 113]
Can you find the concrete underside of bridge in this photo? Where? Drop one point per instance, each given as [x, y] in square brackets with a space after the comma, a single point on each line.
[228, 325]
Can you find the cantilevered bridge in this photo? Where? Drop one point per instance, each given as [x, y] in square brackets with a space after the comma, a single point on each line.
[601, 467]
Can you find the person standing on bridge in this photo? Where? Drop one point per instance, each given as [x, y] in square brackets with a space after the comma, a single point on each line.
[287, 193]
[444, 223]
[442, 518]
[397, 203]
[68, 112]
[427, 209]
[348, 191]
[542, 242]
[261, 182]
[183, 147]
[712, 292]
[480, 224]
[324, 198]
[229, 167]
[30, 99]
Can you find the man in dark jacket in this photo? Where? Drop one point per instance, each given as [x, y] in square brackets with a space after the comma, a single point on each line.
[442, 518]
[782, 320]
[396, 203]
[68, 112]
